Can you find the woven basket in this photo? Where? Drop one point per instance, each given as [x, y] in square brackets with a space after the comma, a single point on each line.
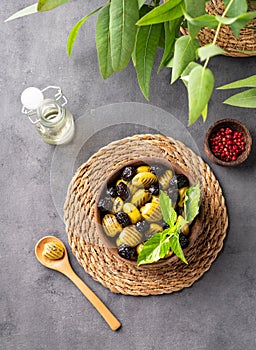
[232, 45]
[99, 261]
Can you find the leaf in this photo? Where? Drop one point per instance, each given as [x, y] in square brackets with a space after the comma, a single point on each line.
[146, 46]
[236, 8]
[155, 248]
[140, 3]
[185, 74]
[203, 21]
[245, 99]
[24, 12]
[143, 10]
[189, 68]
[123, 17]
[161, 42]
[171, 32]
[191, 202]
[194, 8]
[180, 223]
[176, 247]
[165, 12]
[205, 112]
[45, 5]
[241, 22]
[247, 82]
[200, 86]
[103, 43]
[169, 214]
[74, 31]
[209, 51]
[184, 52]
[225, 20]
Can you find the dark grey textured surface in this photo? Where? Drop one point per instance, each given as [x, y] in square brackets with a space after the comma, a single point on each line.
[41, 309]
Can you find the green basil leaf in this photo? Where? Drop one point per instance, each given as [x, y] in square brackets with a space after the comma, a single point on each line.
[169, 214]
[123, 17]
[146, 45]
[176, 247]
[245, 99]
[74, 31]
[209, 51]
[24, 12]
[247, 82]
[46, 5]
[171, 29]
[200, 86]
[155, 248]
[103, 43]
[236, 8]
[165, 12]
[180, 223]
[184, 52]
[191, 202]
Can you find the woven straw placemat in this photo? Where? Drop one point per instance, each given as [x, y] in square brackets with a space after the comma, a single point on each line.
[242, 46]
[98, 261]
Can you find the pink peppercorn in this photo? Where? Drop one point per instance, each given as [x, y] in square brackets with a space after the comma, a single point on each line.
[227, 144]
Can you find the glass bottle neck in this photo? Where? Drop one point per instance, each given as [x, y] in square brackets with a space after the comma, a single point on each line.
[50, 113]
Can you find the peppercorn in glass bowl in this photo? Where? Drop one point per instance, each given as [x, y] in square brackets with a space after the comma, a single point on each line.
[227, 142]
[128, 209]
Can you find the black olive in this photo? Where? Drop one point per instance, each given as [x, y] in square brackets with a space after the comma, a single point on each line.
[105, 204]
[182, 181]
[122, 190]
[127, 252]
[154, 189]
[183, 240]
[128, 173]
[165, 225]
[112, 191]
[142, 226]
[123, 219]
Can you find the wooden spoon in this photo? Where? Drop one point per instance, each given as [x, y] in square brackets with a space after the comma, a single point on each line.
[63, 265]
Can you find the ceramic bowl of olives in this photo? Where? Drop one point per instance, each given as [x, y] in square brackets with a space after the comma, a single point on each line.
[128, 211]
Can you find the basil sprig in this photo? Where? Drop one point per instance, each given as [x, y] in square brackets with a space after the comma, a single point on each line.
[161, 243]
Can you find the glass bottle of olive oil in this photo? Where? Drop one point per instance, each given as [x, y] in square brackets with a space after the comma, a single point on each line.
[53, 122]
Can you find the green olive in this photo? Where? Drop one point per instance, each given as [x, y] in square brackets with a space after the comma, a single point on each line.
[111, 225]
[132, 212]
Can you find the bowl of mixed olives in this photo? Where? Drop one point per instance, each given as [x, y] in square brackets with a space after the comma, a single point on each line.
[130, 212]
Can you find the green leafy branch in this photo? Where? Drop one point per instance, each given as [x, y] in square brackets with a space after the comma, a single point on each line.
[133, 29]
[161, 243]
[246, 98]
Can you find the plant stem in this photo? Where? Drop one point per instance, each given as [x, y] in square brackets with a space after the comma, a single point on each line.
[218, 30]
